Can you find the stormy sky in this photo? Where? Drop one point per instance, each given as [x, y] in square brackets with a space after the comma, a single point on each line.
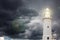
[29, 12]
[8, 12]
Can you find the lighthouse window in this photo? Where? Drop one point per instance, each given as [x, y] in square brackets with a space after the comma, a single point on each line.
[47, 26]
[48, 38]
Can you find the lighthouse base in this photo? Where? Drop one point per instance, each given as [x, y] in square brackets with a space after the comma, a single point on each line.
[47, 37]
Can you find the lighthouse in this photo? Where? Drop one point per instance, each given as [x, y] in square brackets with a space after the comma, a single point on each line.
[47, 30]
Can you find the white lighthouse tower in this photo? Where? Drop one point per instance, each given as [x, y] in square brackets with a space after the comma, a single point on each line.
[47, 33]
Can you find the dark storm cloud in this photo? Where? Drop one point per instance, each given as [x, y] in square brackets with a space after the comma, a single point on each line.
[25, 17]
[8, 13]
[28, 12]
[56, 17]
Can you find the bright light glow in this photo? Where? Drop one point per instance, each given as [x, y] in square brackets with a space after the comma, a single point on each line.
[47, 13]
[1, 38]
[47, 9]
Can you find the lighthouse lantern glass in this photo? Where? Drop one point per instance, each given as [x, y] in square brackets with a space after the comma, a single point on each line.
[47, 13]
